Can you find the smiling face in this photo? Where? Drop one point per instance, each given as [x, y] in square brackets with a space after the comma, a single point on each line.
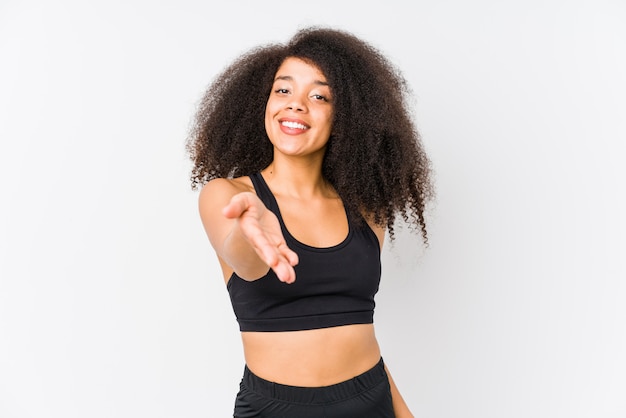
[299, 110]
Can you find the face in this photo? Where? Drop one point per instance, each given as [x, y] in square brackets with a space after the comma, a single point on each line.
[299, 110]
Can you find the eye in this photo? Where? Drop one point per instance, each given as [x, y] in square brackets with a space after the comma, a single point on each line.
[319, 97]
[281, 91]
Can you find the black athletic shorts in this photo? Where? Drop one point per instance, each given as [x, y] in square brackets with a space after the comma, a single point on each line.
[365, 396]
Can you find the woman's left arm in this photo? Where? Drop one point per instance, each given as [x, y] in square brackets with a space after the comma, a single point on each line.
[400, 408]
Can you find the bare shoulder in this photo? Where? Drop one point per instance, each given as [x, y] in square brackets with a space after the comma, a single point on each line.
[216, 194]
[221, 190]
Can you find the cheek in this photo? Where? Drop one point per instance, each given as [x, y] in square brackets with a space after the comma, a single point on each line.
[269, 125]
[268, 113]
[329, 121]
[272, 107]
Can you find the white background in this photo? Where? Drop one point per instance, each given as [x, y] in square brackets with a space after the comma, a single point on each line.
[111, 301]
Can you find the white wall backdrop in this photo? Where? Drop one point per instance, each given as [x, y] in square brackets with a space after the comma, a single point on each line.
[111, 301]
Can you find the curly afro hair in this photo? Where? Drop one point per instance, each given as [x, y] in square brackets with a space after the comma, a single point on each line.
[374, 158]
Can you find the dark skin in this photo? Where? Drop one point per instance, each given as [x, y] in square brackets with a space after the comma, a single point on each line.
[326, 118]
[248, 240]
[374, 158]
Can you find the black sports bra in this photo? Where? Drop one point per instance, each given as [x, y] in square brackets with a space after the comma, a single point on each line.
[334, 286]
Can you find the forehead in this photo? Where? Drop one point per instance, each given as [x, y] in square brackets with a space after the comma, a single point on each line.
[293, 68]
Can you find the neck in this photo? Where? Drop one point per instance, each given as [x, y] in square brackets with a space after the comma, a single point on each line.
[296, 178]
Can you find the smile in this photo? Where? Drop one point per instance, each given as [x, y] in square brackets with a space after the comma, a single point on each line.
[293, 125]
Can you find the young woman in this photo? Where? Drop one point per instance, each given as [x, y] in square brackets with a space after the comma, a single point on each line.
[306, 155]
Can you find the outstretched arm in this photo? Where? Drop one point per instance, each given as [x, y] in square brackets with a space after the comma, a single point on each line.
[244, 233]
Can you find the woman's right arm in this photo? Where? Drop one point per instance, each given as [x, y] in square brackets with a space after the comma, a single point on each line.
[243, 232]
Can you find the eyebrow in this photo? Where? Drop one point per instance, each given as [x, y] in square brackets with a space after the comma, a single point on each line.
[290, 78]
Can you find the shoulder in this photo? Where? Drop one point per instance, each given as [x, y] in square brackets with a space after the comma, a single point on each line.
[222, 186]
[216, 193]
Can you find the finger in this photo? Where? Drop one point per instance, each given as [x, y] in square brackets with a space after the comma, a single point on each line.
[285, 272]
[288, 253]
[236, 207]
[267, 253]
[279, 257]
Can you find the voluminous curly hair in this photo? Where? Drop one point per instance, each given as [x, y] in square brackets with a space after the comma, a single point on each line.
[374, 158]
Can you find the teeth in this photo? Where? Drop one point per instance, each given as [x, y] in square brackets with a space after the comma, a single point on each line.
[293, 125]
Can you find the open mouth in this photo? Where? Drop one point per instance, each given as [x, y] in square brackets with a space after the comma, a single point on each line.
[293, 125]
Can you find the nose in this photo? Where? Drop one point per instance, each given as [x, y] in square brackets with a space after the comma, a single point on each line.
[296, 104]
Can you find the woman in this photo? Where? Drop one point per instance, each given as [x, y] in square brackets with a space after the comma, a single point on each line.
[306, 154]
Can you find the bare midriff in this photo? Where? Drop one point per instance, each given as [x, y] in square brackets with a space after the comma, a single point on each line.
[311, 358]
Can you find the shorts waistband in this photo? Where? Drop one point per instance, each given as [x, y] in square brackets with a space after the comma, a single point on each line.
[315, 395]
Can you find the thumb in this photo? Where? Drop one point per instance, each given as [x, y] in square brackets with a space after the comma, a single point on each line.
[238, 204]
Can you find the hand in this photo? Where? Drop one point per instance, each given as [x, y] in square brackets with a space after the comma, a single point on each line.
[260, 227]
